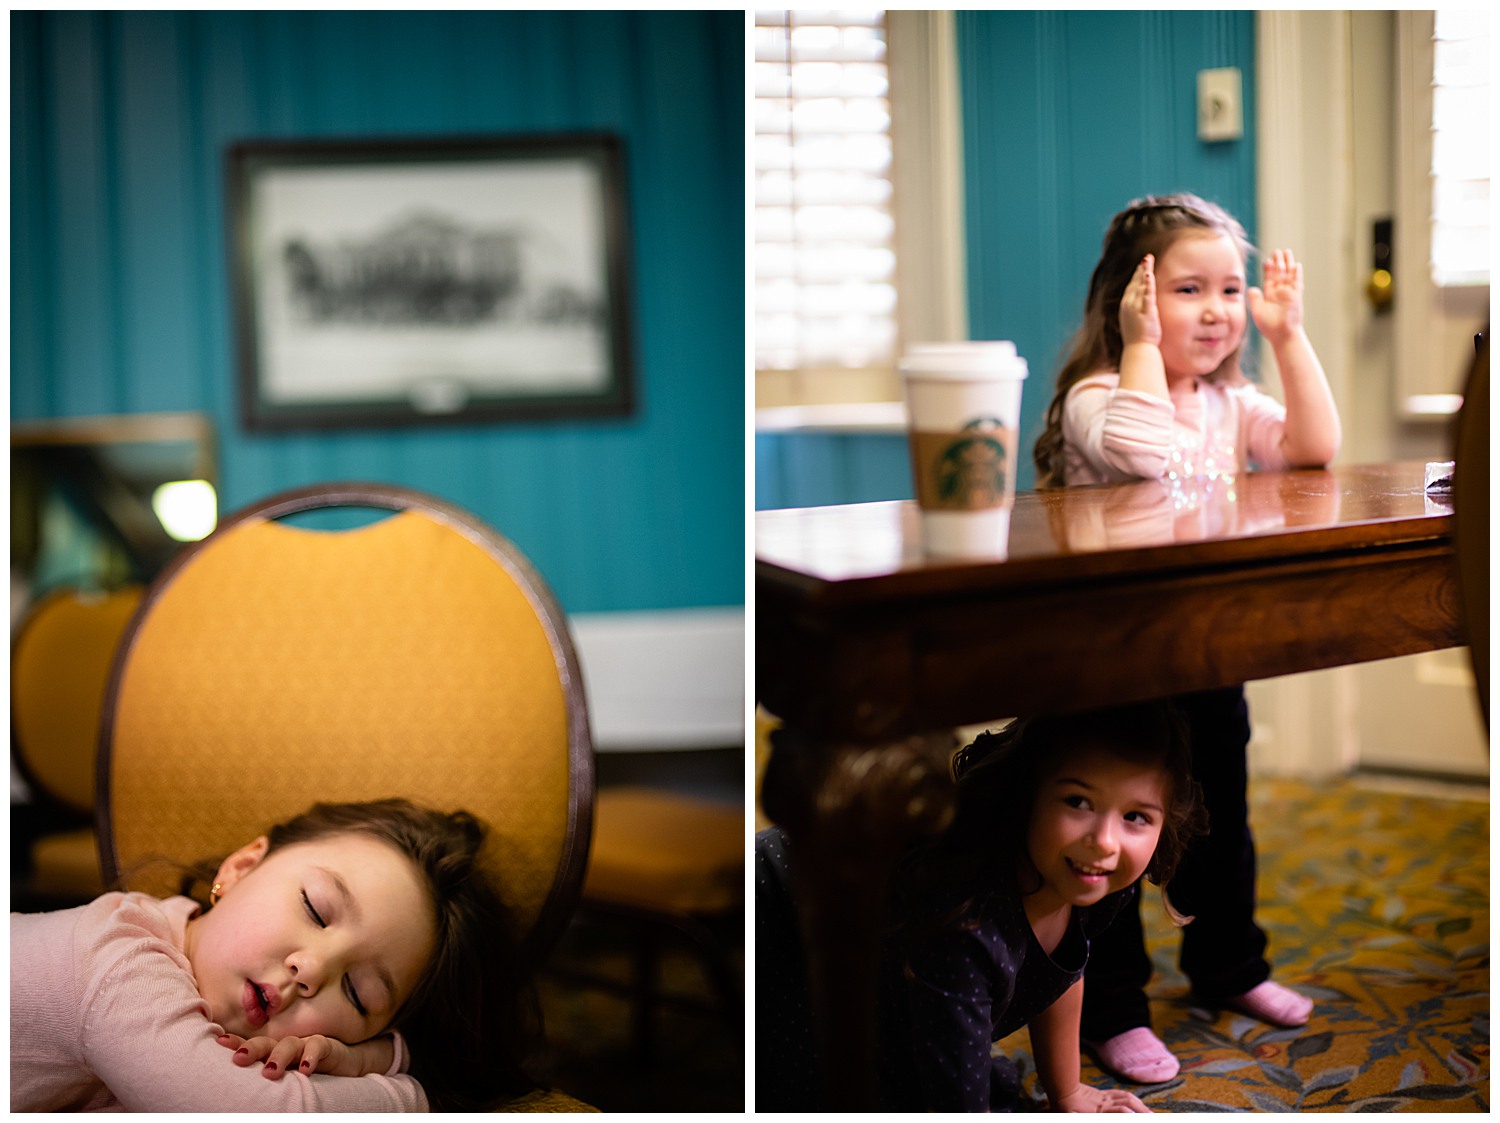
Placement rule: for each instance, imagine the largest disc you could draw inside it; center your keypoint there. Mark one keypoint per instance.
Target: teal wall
(1067, 116)
(119, 288)
(803, 469)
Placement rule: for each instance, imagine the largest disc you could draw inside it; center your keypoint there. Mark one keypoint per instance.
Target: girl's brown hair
(1147, 225)
(472, 1020)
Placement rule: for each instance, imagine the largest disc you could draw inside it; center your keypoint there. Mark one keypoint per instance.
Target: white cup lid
(964, 362)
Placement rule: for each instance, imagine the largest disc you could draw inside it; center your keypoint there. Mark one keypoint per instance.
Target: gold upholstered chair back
(274, 665)
(59, 668)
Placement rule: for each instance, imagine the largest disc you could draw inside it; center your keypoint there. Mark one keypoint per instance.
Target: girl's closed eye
(353, 996)
(312, 912)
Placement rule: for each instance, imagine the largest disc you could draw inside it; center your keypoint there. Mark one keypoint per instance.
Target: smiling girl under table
(1057, 819)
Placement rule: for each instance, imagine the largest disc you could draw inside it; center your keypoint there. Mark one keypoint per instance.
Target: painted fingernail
(270, 1066)
(242, 1052)
(306, 1066)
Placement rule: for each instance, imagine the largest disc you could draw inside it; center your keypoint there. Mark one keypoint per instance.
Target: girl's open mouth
(1091, 874)
(258, 1002)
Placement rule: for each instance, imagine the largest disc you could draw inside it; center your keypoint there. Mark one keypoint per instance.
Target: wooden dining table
(871, 650)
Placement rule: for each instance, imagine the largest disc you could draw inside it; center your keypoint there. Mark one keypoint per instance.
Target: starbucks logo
(972, 470)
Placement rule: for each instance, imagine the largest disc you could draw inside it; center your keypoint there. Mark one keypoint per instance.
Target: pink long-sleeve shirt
(1206, 430)
(105, 1016)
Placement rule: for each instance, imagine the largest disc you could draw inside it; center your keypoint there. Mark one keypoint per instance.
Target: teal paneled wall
(803, 469)
(119, 287)
(1067, 116)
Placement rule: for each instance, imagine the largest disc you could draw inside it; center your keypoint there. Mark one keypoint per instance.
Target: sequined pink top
(1205, 431)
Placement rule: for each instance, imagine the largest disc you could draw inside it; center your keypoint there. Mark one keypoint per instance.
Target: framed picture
(386, 282)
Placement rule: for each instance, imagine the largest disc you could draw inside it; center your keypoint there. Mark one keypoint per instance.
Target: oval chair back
(272, 666)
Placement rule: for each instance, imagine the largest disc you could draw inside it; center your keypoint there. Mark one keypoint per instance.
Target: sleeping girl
(355, 958)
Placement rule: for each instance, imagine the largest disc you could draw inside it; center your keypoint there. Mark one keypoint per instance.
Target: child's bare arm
(1141, 365)
(308, 1055)
(1312, 435)
(1054, 1044)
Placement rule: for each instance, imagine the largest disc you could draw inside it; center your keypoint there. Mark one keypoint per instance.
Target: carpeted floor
(1377, 907)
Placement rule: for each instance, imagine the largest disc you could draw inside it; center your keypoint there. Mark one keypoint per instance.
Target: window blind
(1460, 148)
(825, 266)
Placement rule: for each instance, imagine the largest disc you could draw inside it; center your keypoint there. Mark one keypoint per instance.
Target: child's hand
(1087, 1098)
(1139, 321)
(308, 1055)
(1277, 310)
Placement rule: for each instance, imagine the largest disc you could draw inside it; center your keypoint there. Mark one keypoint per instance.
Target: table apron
(878, 673)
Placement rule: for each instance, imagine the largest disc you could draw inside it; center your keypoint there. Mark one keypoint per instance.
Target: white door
(1330, 163)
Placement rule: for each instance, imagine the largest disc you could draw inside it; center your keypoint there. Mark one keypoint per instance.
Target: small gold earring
(215, 893)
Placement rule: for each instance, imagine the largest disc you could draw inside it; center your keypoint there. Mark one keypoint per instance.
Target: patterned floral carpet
(1377, 907)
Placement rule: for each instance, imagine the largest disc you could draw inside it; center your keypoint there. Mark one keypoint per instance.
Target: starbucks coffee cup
(963, 404)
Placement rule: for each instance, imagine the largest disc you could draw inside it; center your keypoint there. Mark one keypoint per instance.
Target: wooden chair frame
(1471, 514)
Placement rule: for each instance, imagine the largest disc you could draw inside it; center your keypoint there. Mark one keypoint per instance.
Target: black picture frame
(408, 281)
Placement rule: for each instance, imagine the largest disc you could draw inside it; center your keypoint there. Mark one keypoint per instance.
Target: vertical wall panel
(153, 268)
(30, 248)
(1067, 117)
(812, 469)
(80, 253)
(120, 293)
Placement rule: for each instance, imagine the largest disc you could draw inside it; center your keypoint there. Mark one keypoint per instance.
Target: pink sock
(1272, 1002)
(1138, 1055)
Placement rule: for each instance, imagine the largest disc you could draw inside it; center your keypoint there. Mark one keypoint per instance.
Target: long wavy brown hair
(1148, 225)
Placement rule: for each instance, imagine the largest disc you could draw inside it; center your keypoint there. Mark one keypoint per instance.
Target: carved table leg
(849, 811)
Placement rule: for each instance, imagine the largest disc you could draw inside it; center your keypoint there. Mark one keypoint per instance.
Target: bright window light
(825, 266)
(1461, 148)
(188, 509)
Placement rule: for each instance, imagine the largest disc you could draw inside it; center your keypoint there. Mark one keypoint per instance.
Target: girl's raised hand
(1139, 322)
(1087, 1098)
(308, 1055)
(1277, 309)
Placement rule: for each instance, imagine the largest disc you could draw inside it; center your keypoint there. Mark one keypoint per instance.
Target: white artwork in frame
(390, 282)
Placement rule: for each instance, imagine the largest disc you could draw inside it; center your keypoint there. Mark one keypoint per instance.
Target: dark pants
(1223, 950)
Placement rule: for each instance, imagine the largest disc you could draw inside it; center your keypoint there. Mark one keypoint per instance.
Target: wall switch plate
(1220, 104)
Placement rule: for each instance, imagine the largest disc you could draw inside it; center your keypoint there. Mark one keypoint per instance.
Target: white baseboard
(673, 679)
